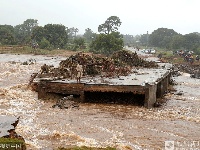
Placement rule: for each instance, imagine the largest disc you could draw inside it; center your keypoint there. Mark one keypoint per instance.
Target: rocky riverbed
(97, 125)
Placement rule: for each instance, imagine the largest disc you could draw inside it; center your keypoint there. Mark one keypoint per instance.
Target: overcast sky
(137, 16)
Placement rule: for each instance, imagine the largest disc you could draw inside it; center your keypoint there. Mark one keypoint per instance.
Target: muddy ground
(97, 125)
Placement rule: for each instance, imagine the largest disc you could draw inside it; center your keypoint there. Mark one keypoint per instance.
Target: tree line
(48, 37)
(52, 36)
(107, 41)
(167, 39)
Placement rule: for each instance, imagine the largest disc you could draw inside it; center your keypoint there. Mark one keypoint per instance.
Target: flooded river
(97, 125)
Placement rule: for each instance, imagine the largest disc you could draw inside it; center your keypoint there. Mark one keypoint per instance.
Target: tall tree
(110, 25)
(38, 34)
(56, 34)
(144, 39)
(192, 41)
(6, 35)
(72, 32)
(23, 31)
(29, 24)
(76, 31)
(89, 35)
(177, 42)
(161, 37)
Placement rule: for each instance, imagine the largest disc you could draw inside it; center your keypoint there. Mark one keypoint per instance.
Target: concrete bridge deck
(152, 83)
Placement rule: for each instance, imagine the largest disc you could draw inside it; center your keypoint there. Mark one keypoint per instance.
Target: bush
(107, 43)
(12, 144)
(44, 44)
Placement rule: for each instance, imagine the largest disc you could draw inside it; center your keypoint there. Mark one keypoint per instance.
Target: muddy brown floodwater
(97, 125)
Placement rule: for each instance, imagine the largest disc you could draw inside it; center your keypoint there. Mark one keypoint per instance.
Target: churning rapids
(96, 125)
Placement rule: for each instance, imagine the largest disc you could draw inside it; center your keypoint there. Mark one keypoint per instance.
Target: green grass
(12, 144)
(29, 50)
(10, 140)
(168, 56)
(14, 49)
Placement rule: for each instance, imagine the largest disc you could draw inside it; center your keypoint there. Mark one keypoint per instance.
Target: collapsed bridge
(149, 85)
(142, 86)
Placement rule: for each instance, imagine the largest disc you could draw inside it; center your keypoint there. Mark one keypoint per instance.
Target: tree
(89, 35)
(23, 31)
(29, 24)
(165, 43)
(44, 44)
(177, 42)
(79, 43)
(192, 41)
(56, 34)
(144, 39)
(161, 37)
(128, 39)
(110, 25)
(76, 31)
(51, 36)
(7, 35)
(107, 43)
(72, 32)
(38, 34)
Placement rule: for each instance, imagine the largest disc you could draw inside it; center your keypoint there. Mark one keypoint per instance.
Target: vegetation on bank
(28, 50)
(10, 140)
(12, 144)
(107, 41)
(58, 36)
(167, 39)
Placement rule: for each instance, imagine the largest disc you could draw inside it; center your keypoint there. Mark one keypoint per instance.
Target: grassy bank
(29, 50)
(12, 144)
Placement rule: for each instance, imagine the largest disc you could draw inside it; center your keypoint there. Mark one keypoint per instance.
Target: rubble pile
(120, 63)
(193, 70)
(132, 59)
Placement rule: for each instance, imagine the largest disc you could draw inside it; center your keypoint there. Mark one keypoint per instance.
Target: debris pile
(66, 102)
(120, 63)
(132, 59)
(29, 62)
(193, 70)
